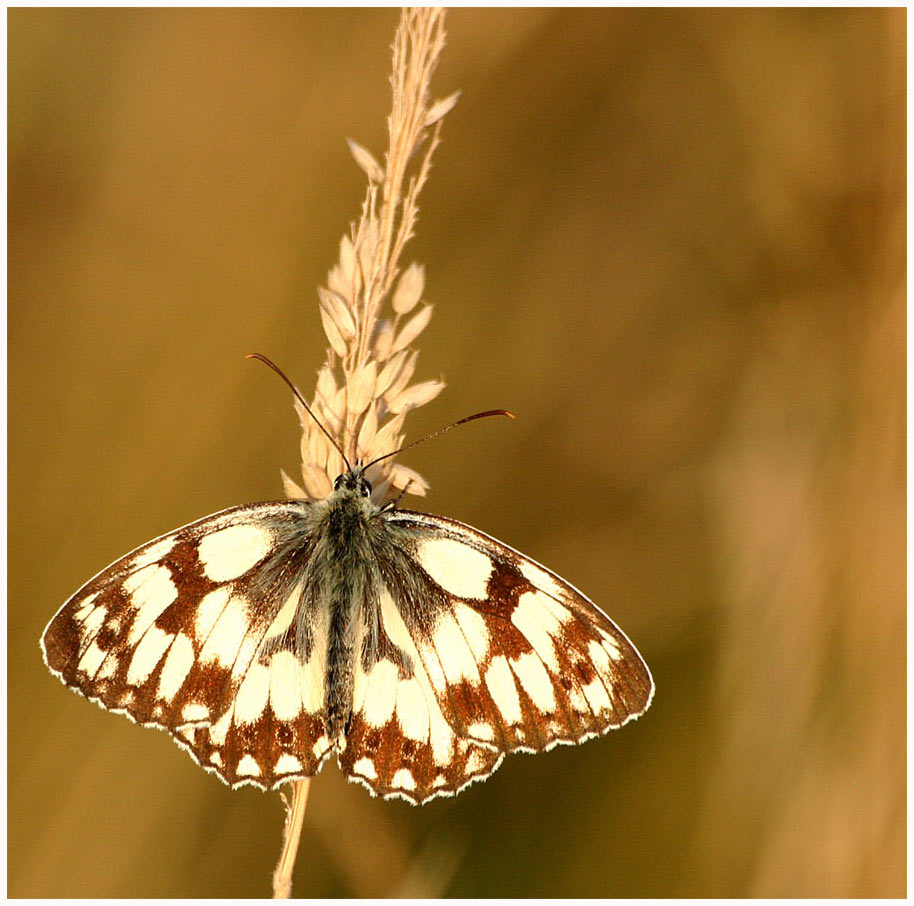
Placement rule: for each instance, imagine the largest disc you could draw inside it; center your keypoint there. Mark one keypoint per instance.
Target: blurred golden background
(672, 241)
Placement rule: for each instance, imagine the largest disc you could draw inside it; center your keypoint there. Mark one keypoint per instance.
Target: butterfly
(419, 651)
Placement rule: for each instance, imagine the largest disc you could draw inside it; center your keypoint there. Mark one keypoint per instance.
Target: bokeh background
(672, 241)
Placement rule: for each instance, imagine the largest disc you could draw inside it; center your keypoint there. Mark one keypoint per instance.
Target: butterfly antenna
(301, 399)
(462, 421)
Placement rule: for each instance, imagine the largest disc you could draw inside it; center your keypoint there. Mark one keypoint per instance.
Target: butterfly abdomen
(347, 537)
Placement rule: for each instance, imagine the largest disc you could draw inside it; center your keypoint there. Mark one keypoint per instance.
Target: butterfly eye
(338, 482)
(365, 488)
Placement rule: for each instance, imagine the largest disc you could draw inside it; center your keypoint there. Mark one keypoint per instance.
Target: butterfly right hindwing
(400, 741)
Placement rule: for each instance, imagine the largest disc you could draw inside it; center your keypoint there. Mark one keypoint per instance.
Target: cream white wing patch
(460, 570)
(230, 552)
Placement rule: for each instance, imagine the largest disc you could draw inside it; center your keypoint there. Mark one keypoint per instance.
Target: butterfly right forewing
(529, 662)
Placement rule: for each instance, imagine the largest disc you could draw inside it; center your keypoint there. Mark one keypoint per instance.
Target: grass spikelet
(371, 308)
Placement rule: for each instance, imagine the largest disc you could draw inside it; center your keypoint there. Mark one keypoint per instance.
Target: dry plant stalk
(295, 815)
(365, 388)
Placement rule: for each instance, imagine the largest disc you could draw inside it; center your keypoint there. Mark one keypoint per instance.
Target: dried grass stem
(295, 816)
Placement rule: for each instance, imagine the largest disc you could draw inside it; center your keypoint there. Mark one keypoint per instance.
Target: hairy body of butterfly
(269, 636)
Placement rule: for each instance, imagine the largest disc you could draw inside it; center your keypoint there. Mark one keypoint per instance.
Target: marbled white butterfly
(418, 650)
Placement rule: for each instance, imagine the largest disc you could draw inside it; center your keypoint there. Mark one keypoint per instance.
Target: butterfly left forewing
(195, 633)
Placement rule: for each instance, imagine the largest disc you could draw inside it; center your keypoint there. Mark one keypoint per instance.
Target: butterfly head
(353, 481)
